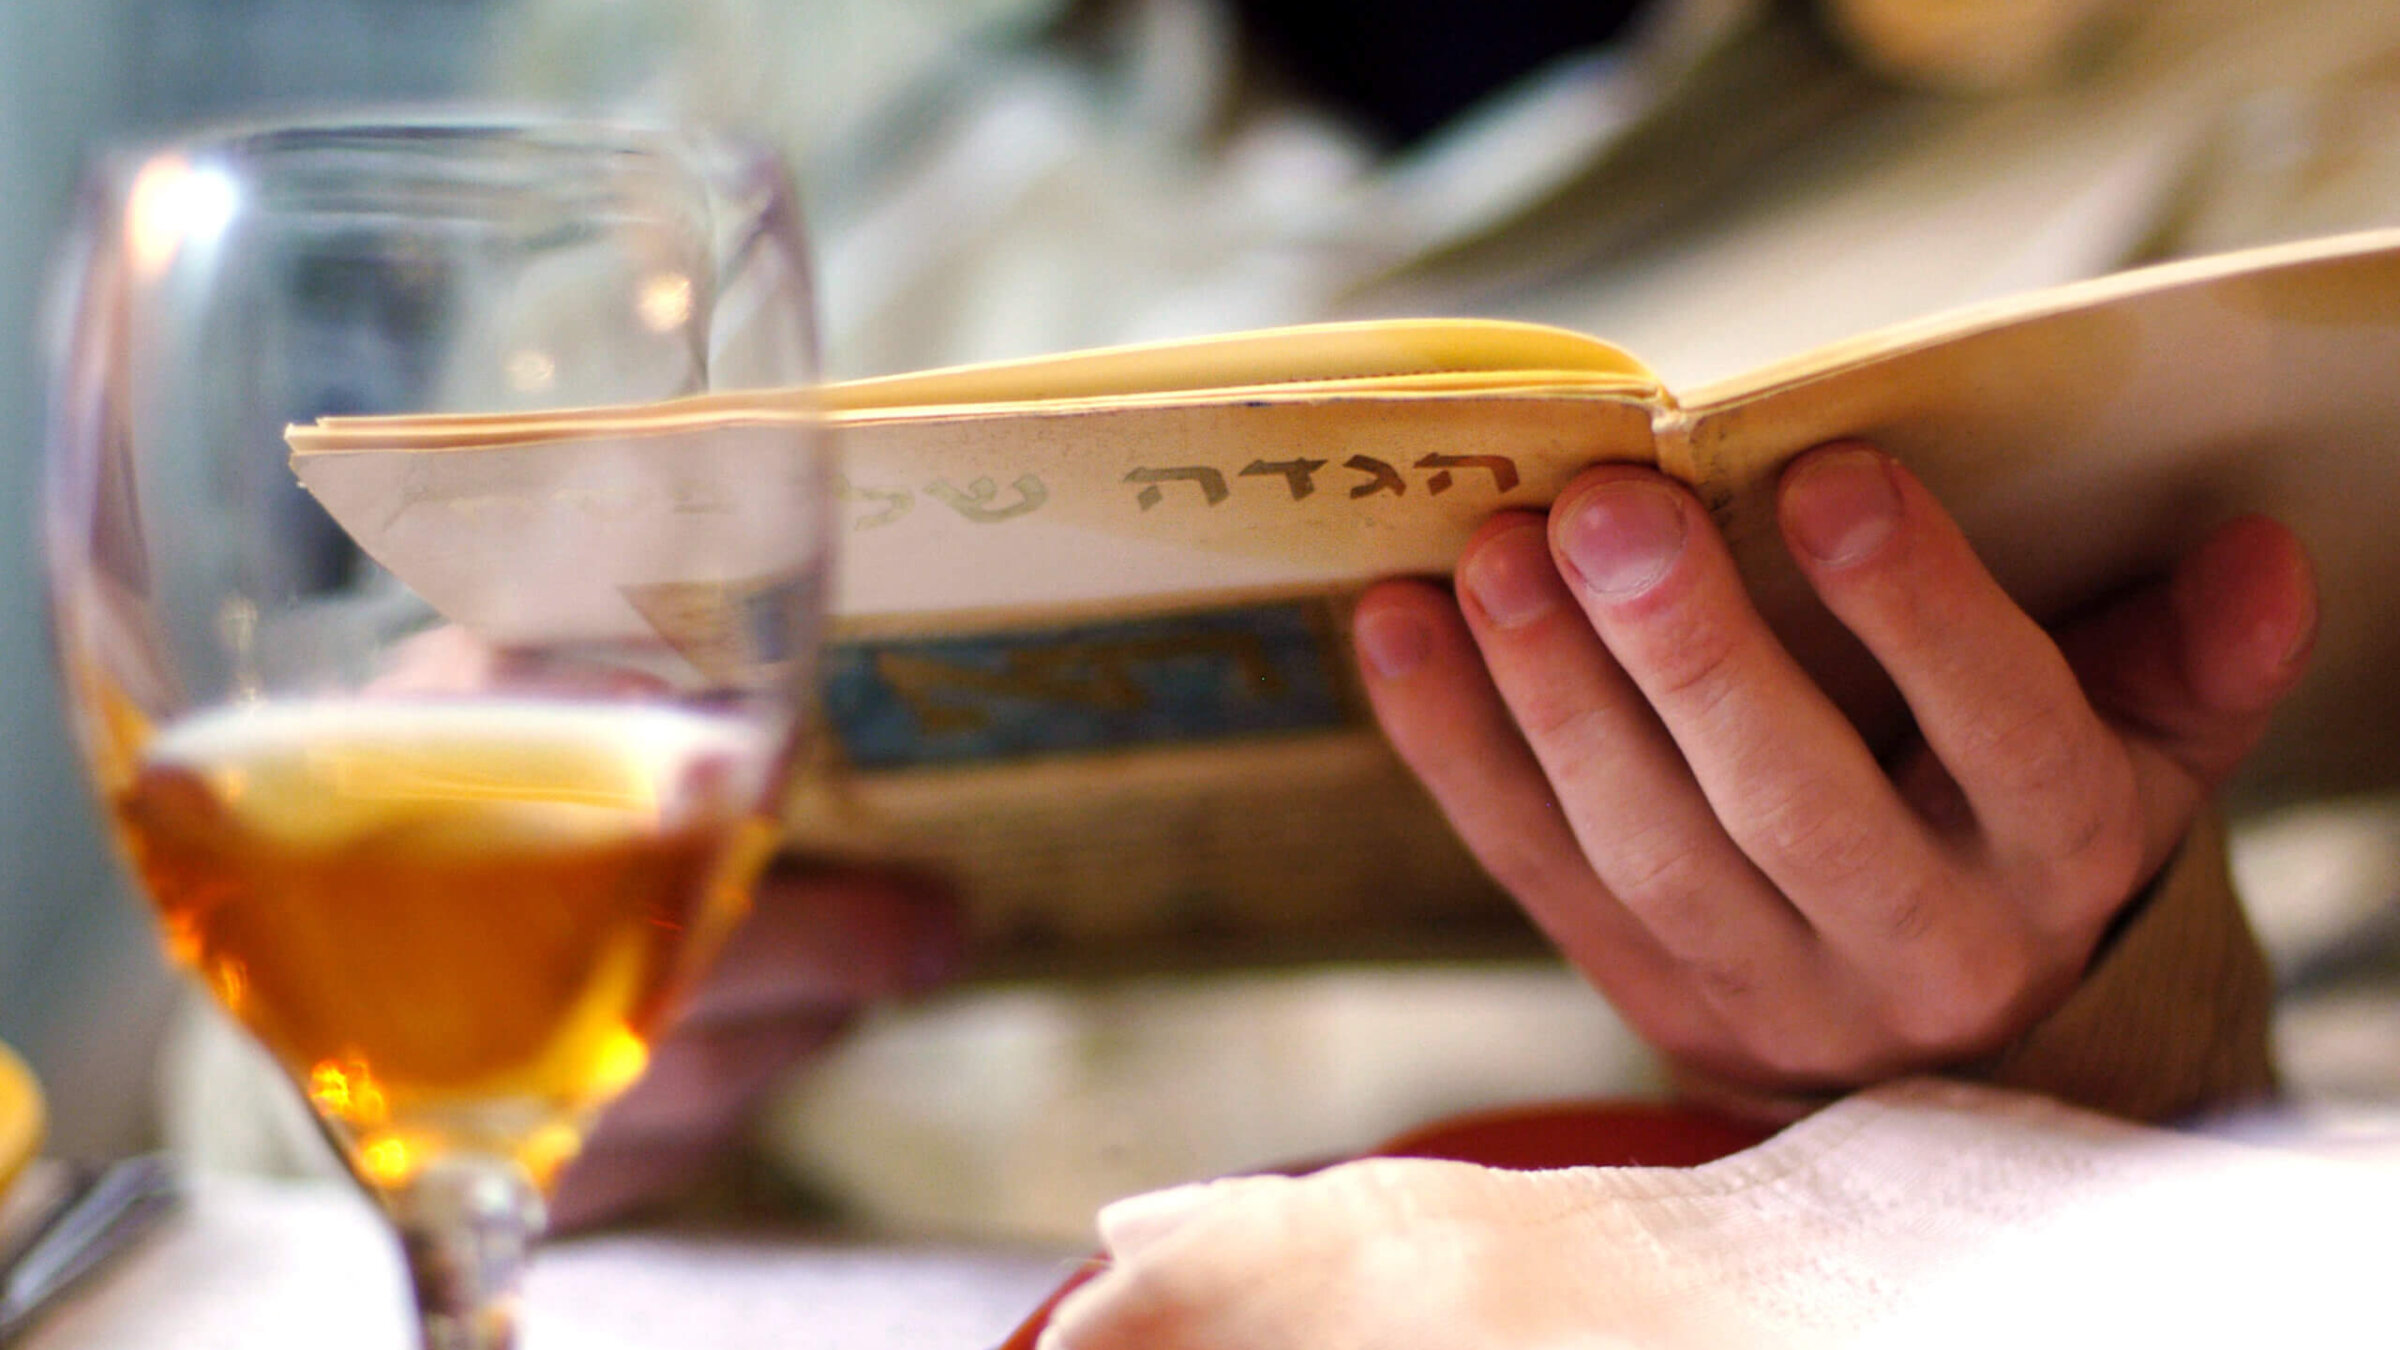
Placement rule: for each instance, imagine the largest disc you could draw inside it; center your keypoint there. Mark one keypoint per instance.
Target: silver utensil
(99, 1215)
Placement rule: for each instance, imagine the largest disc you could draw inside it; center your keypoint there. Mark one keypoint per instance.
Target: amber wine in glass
(452, 924)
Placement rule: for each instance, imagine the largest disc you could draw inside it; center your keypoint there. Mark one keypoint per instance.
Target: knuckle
(1552, 718)
(1530, 874)
(1808, 829)
(1662, 879)
(1907, 915)
(2058, 755)
(1909, 912)
(1654, 870)
(1726, 981)
(1684, 662)
(2088, 827)
(2035, 748)
(2074, 785)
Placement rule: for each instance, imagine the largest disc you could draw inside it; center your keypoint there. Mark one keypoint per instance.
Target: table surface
(261, 1265)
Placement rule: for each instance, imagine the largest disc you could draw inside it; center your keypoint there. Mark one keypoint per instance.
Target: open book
(1115, 577)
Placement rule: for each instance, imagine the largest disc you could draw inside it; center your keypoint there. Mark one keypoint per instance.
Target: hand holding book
(1630, 750)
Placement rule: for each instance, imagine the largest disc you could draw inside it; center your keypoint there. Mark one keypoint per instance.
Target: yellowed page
(1388, 352)
(1398, 356)
(2086, 437)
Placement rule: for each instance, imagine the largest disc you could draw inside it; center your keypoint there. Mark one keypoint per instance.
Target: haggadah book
(1090, 607)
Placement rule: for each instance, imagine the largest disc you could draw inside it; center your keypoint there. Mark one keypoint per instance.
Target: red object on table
(1532, 1138)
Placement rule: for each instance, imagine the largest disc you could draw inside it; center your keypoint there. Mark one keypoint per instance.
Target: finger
(820, 936)
(610, 1181)
(2196, 668)
(1438, 707)
(2246, 603)
(1632, 802)
(2043, 777)
(681, 1117)
(1784, 772)
(2192, 669)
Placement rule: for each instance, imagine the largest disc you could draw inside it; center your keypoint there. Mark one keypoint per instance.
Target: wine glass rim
(438, 125)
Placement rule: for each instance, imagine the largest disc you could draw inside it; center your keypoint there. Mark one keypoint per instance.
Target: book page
(1394, 355)
(1402, 357)
(585, 539)
(2086, 439)
(1003, 514)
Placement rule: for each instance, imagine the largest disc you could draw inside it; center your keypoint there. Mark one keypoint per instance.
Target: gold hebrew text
(895, 502)
(975, 503)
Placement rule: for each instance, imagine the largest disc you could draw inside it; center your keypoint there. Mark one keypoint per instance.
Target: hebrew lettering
(1502, 469)
(975, 503)
(1298, 474)
(1382, 477)
(896, 502)
(1210, 482)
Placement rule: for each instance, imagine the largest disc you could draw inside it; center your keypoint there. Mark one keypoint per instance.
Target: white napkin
(1921, 1213)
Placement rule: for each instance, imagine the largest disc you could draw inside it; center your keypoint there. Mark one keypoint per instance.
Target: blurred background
(1712, 183)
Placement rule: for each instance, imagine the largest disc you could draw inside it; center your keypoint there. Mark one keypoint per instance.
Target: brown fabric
(2172, 1018)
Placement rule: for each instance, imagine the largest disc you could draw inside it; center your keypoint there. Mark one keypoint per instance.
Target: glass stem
(467, 1226)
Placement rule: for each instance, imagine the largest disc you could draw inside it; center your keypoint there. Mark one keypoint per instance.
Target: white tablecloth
(259, 1265)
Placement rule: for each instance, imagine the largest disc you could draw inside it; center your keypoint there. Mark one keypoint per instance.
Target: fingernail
(1512, 578)
(1624, 536)
(1841, 505)
(1392, 641)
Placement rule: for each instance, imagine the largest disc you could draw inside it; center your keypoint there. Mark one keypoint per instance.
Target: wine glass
(450, 870)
